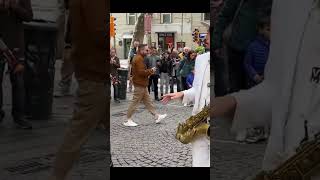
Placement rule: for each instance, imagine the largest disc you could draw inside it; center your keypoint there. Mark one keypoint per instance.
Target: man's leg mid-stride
(137, 97)
(90, 110)
(141, 94)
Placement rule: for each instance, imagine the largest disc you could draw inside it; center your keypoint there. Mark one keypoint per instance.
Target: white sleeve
(253, 107)
(189, 95)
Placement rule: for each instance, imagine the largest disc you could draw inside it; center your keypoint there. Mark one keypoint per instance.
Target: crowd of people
(174, 69)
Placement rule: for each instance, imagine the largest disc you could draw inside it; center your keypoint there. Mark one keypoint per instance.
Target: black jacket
(166, 66)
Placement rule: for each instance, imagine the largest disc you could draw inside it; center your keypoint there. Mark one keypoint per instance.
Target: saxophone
(194, 126)
(300, 166)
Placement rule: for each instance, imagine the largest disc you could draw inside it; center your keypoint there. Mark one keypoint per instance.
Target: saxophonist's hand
(171, 96)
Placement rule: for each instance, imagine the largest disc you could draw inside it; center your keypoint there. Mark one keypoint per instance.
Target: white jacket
(199, 94)
(290, 93)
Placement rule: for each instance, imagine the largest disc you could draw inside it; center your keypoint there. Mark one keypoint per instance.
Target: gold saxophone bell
(195, 126)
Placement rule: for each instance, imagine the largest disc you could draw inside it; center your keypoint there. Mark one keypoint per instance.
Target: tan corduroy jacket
(140, 72)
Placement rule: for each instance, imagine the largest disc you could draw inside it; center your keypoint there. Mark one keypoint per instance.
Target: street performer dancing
(200, 95)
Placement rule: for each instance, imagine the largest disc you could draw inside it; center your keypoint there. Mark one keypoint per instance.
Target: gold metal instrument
(300, 166)
(194, 126)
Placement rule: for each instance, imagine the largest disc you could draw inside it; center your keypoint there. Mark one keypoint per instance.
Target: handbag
(229, 30)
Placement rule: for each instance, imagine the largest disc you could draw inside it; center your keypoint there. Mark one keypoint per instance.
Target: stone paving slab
(149, 144)
(28, 154)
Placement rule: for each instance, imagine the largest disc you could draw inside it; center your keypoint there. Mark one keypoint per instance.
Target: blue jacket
(256, 57)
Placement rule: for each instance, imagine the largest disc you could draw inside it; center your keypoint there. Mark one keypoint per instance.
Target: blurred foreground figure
(12, 15)
(89, 52)
(289, 98)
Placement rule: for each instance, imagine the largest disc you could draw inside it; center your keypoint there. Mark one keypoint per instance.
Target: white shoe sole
(160, 119)
(130, 125)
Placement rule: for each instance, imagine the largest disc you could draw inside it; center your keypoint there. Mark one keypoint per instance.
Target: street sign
(202, 35)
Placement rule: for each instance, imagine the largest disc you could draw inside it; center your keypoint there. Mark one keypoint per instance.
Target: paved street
(232, 160)
(28, 154)
(149, 144)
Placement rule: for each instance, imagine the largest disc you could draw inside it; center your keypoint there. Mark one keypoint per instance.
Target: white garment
(288, 96)
(199, 94)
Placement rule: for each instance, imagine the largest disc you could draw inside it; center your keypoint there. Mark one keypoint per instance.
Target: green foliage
(200, 50)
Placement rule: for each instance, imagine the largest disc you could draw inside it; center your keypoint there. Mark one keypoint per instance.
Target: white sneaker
(130, 123)
(160, 117)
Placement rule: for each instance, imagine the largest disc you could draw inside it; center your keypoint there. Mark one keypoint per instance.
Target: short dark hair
(141, 46)
(263, 22)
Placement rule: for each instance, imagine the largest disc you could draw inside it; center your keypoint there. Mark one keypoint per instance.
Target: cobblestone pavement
(149, 144)
(28, 154)
(232, 160)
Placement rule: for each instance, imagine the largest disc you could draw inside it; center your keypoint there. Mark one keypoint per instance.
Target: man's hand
(154, 69)
(19, 68)
(258, 78)
(171, 96)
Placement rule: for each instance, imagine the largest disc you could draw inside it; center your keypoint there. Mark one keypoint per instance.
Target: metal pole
(181, 31)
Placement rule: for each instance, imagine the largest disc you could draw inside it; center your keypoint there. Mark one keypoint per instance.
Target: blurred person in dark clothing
(88, 31)
(165, 72)
(175, 65)
(12, 15)
(153, 61)
(257, 54)
(254, 64)
(235, 28)
(67, 69)
(115, 64)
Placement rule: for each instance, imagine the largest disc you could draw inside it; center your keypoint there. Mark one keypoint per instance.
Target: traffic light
(112, 26)
(195, 35)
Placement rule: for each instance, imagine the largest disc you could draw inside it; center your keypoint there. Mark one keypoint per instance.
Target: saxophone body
(300, 166)
(194, 126)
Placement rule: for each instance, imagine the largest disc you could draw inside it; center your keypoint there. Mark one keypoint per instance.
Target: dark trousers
(116, 91)
(221, 75)
(184, 83)
(175, 79)
(153, 80)
(237, 75)
(18, 93)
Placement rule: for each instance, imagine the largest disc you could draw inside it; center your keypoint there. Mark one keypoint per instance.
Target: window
(131, 18)
(206, 16)
(166, 18)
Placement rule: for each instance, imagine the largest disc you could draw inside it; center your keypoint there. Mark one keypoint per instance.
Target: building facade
(167, 29)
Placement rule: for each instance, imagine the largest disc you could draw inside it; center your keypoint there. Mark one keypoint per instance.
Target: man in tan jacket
(88, 31)
(140, 78)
